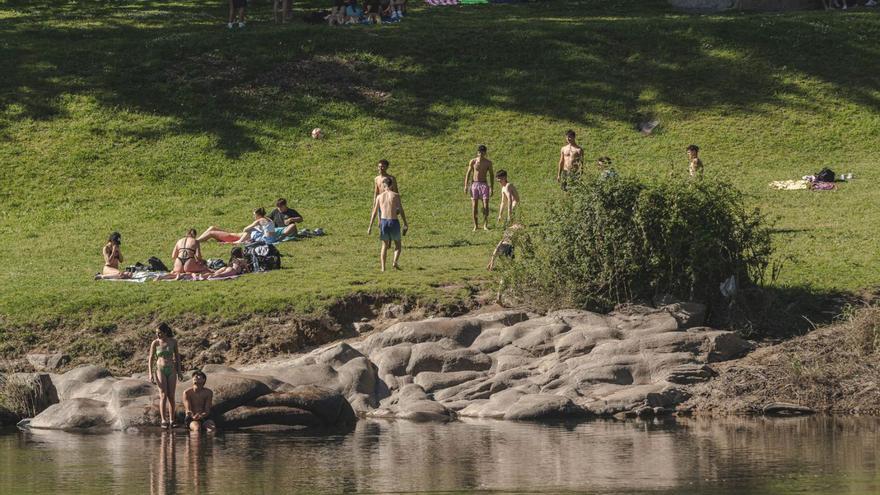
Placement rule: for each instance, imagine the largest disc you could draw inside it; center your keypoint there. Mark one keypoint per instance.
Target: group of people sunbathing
(372, 12)
(278, 225)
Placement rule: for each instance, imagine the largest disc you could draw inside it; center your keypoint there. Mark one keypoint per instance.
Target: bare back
(389, 205)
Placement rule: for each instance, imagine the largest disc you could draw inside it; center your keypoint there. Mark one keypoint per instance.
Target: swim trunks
(389, 230)
(479, 190)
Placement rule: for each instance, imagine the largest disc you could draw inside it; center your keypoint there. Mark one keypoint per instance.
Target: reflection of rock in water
(744, 456)
(508, 364)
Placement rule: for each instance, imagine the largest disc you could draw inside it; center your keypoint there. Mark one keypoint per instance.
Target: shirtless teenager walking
(480, 189)
(377, 181)
(570, 158)
(388, 206)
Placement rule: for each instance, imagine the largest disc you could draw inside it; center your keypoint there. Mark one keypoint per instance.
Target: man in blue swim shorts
(388, 206)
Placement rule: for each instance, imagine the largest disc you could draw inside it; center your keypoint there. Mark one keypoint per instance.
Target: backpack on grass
(825, 175)
(156, 265)
(262, 256)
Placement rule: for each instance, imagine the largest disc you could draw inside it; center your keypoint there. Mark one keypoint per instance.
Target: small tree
(617, 240)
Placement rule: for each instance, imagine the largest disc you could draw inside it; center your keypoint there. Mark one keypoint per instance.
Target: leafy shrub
(617, 240)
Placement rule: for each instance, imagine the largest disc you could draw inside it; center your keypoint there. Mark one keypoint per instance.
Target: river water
(819, 455)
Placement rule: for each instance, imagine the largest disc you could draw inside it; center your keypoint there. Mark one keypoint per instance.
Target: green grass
(150, 118)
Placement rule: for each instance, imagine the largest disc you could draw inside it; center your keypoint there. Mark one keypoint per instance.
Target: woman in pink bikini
(261, 229)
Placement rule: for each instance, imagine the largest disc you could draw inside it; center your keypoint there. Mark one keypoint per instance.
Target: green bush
(618, 240)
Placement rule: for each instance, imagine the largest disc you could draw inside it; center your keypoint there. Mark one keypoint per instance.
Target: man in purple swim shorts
(480, 169)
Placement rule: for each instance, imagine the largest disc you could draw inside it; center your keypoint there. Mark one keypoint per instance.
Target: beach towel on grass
(473, 2)
(790, 185)
(822, 186)
(441, 3)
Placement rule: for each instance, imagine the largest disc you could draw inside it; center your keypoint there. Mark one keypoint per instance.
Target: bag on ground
(263, 257)
(156, 265)
(825, 175)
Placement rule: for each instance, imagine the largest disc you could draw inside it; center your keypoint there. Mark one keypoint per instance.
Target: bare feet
(475, 228)
(396, 266)
(486, 227)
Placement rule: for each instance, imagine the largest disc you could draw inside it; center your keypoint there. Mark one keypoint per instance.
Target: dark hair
(482, 148)
(281, 202)
(260, 211)
(115, 238)
(199, 373)
(191, 233)
(570, 133)
(693, 147)
(384, 163)
(165, 329)
(387, 181)
(237, 252)
(501, 173)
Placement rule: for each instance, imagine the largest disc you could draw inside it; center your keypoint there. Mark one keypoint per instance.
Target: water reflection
(805, 455)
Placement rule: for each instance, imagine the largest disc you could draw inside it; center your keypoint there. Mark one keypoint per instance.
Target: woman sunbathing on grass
(164, 351)
(261, 229)
(112, 257)
(187, 255)
(237, 265)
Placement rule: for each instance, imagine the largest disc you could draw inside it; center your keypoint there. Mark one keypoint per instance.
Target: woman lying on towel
(112, 257)
(261, 229)
(187, 255)
(237, 265)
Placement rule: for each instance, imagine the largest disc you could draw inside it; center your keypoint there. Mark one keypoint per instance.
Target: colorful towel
(473, 2)
(440, 3)
(822, 186)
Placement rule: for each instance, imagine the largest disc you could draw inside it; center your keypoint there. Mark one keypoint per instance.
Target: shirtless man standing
(197, 402)
(387, 205)
(570, 157)
(377, 181)
(479, 168)
(509, 196)
(695, 165)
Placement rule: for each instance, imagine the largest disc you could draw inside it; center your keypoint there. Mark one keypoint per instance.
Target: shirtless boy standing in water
(197, 401)
(570, 157)
(480, 189)
(388, 206)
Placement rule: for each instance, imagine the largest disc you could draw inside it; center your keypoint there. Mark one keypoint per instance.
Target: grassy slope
(150, 117)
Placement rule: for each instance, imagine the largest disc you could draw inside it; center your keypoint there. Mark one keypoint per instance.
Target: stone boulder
(74, 414)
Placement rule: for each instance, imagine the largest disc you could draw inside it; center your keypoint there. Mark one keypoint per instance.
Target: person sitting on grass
(353, 12)
(261, 229)
(285, 219)
(236, 5)
(112, 258)
(509, 196)
(237, 265)
(603, 164)
(388, 206)
(695, 165)
(337, 13)
(187, 255)
(397, 9)
(373, 11)
(197, 404)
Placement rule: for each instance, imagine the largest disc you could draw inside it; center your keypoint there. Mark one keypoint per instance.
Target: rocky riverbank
(516, 365)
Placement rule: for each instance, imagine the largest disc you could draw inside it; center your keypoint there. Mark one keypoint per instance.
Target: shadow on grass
(584, 62)
(782, 312)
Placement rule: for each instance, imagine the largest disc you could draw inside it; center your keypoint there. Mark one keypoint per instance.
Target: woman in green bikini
(164, 351)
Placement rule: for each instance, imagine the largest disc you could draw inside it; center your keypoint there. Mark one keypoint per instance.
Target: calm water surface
(730, 456)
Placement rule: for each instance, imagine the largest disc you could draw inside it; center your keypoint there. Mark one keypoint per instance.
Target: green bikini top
(163, 354)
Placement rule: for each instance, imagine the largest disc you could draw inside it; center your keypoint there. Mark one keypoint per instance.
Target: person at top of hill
(695, 165)
(285, 219)
(261, 229)
(164, 351)
(112, 254)
(480, 189)
(388, 207)
(187, 255)
(570, 158)
(509, 196)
